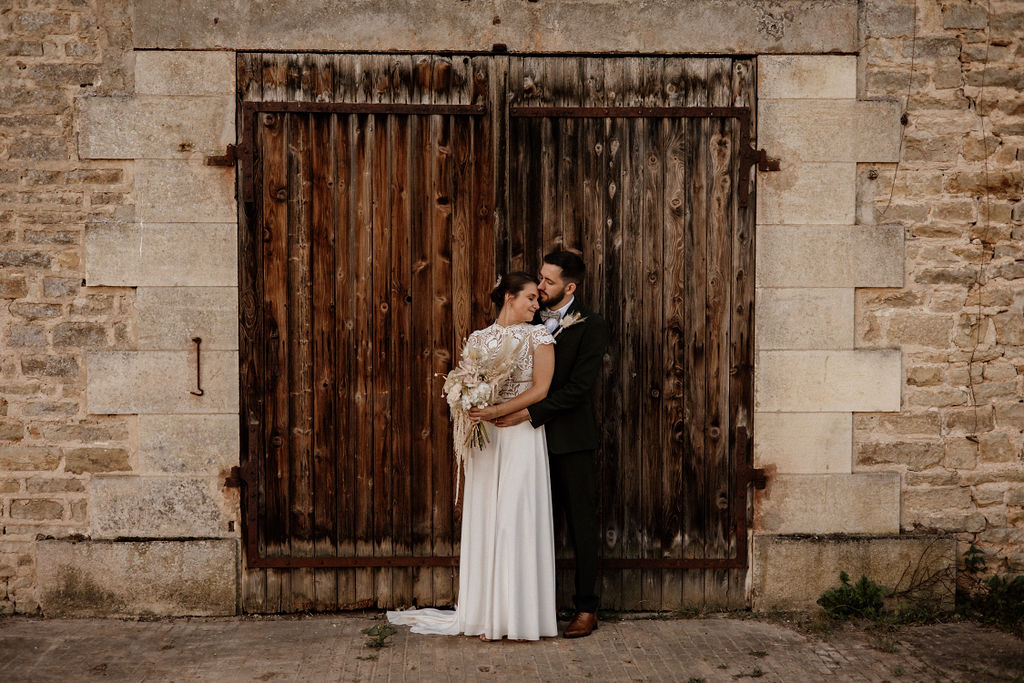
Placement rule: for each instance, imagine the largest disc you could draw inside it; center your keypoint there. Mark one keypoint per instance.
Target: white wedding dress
(507, 559)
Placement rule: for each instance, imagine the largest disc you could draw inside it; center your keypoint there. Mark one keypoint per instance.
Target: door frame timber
(744, 474)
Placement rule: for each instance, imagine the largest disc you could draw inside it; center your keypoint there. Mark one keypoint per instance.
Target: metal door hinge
(764, 162)
(237, 476)
(227, 159)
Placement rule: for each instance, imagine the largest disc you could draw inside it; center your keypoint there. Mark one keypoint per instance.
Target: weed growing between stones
(379, 635)
(996, 600)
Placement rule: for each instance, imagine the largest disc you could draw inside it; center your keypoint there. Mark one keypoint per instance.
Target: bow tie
(547, 314)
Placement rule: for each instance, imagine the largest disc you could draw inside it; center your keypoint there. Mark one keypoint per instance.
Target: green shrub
(862, 599)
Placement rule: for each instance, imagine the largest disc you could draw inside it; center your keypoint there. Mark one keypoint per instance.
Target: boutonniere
(568, 321)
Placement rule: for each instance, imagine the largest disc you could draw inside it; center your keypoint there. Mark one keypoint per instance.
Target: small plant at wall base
(997, 600)
(862, 599)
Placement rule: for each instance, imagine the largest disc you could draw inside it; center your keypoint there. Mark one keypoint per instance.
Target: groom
(580, 340)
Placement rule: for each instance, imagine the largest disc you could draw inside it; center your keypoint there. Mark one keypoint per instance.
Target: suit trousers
(574, 494)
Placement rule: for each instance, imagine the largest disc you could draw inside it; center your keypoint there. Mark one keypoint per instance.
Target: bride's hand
(483, 414)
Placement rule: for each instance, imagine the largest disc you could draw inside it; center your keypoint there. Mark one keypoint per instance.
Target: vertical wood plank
(383, 361)
(602, 168)
(500, 143)
(275, 73)
(420, 418)
(275, 475)
(515, 230)
(300, 360)
(441, 346)
(673, 343)
(489, 176)
(402, 352)
(347, 448)
(720, 537)
(652, 238)
(362, 143)
(693, 82)
(324, 351)
(249, 84)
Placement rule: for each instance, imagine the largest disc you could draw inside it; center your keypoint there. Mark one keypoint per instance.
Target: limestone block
(829, 130)
(806, 77)
(161, 254)
(147, 382)
(153, 127)
(867, 503)
(828, 381)
(798, 318)
(804, 443)
(691, 26)
(179, 191)
(168, 72)
(169, 317)
(190, 444)
(807, 193)
(792, 573)
(831, 256)
(134, 578)
(157, 507)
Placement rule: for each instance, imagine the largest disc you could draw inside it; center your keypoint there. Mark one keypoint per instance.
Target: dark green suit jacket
(567, 412)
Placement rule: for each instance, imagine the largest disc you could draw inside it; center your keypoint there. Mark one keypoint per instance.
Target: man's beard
(554, 300)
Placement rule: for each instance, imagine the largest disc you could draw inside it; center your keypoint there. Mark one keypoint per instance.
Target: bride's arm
(543, 370)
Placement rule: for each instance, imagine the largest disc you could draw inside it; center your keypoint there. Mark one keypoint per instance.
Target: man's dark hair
(573, 268)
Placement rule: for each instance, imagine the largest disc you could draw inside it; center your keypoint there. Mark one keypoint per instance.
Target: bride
(507, 560)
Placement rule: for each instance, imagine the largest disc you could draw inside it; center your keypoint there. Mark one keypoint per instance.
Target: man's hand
(513, 418)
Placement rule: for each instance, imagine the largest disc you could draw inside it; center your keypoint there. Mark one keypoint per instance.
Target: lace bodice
(492, 338)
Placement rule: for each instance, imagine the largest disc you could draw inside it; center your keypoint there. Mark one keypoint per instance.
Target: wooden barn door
(368, 255)
(380, 195)
(642, 164)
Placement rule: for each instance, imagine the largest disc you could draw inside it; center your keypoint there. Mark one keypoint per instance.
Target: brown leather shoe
(581, 625)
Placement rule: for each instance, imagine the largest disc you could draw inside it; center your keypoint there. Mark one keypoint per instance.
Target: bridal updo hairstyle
(510, 283)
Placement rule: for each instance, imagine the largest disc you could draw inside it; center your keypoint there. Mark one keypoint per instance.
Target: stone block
(866, 503)
(141, 382)
(828, 381)
(806, 77)
(786, 26)
(157, 507)
(830, 256)
(153, 127)
(137, 578)
(808, 193)
(791, 573)
(191, 444)
(179, 191)
(37, 509)
(169, 317)
(803, 443)
(184, 73)
(801, 318)
(162, 255)
(829, 130)
(96, 459)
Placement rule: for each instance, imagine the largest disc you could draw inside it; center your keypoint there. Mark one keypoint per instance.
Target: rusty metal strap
(630, 112)
(254, 561)
(366, 108)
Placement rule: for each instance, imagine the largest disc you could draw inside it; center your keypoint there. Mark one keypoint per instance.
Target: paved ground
(333, 647)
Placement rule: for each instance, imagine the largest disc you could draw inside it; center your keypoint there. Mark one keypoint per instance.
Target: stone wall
(889, 314)
(957, 442)
(50, 445)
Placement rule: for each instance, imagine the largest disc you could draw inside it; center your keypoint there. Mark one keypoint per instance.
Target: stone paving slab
(333, 648)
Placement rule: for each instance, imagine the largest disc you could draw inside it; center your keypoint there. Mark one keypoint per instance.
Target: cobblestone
(332, 647)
